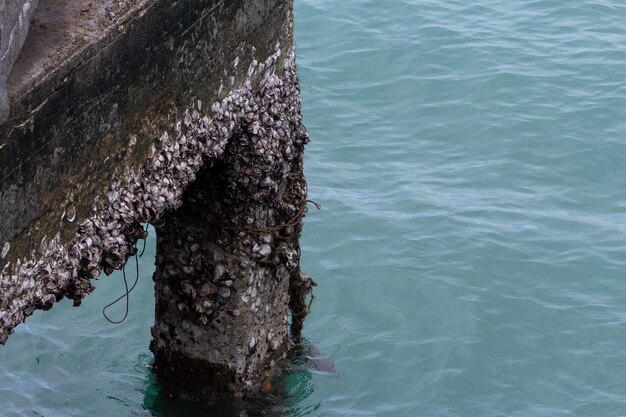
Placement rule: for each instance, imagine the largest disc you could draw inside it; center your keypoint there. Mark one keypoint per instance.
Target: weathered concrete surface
(14, 22)
(111, 123)
(225, 259)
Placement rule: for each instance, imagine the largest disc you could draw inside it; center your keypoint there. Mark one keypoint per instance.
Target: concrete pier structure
(14, 23)
(184, 114)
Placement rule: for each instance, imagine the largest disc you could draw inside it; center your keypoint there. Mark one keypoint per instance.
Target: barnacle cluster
(254, 137)
(226, 258)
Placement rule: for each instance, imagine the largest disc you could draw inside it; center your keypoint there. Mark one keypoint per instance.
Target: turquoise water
(471, 251)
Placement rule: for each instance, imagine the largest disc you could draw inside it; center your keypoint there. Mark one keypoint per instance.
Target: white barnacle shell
(70, 213)
(5, 250)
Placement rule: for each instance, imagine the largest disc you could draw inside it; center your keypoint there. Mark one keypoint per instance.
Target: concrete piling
(182, 114)
(226, 256)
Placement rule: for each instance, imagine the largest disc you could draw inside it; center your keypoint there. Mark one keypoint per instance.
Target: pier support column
(227, 256)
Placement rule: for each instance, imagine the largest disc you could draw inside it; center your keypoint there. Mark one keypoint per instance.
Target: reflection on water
(278, 397)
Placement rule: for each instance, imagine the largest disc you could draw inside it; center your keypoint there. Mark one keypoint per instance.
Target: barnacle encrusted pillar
(226, 257)
(183, 114)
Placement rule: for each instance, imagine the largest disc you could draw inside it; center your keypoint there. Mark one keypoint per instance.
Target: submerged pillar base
(227, 256)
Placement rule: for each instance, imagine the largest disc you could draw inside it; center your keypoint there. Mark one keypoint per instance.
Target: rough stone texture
(14, 23)
(90, 102)
(222, 182)
(226, 257)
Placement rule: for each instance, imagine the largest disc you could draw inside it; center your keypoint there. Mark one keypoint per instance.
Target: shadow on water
(280, 397)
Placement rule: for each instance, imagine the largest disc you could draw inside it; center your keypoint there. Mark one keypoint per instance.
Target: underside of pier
(181, 114)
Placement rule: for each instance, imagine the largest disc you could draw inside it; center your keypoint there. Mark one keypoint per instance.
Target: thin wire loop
(125, 295)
